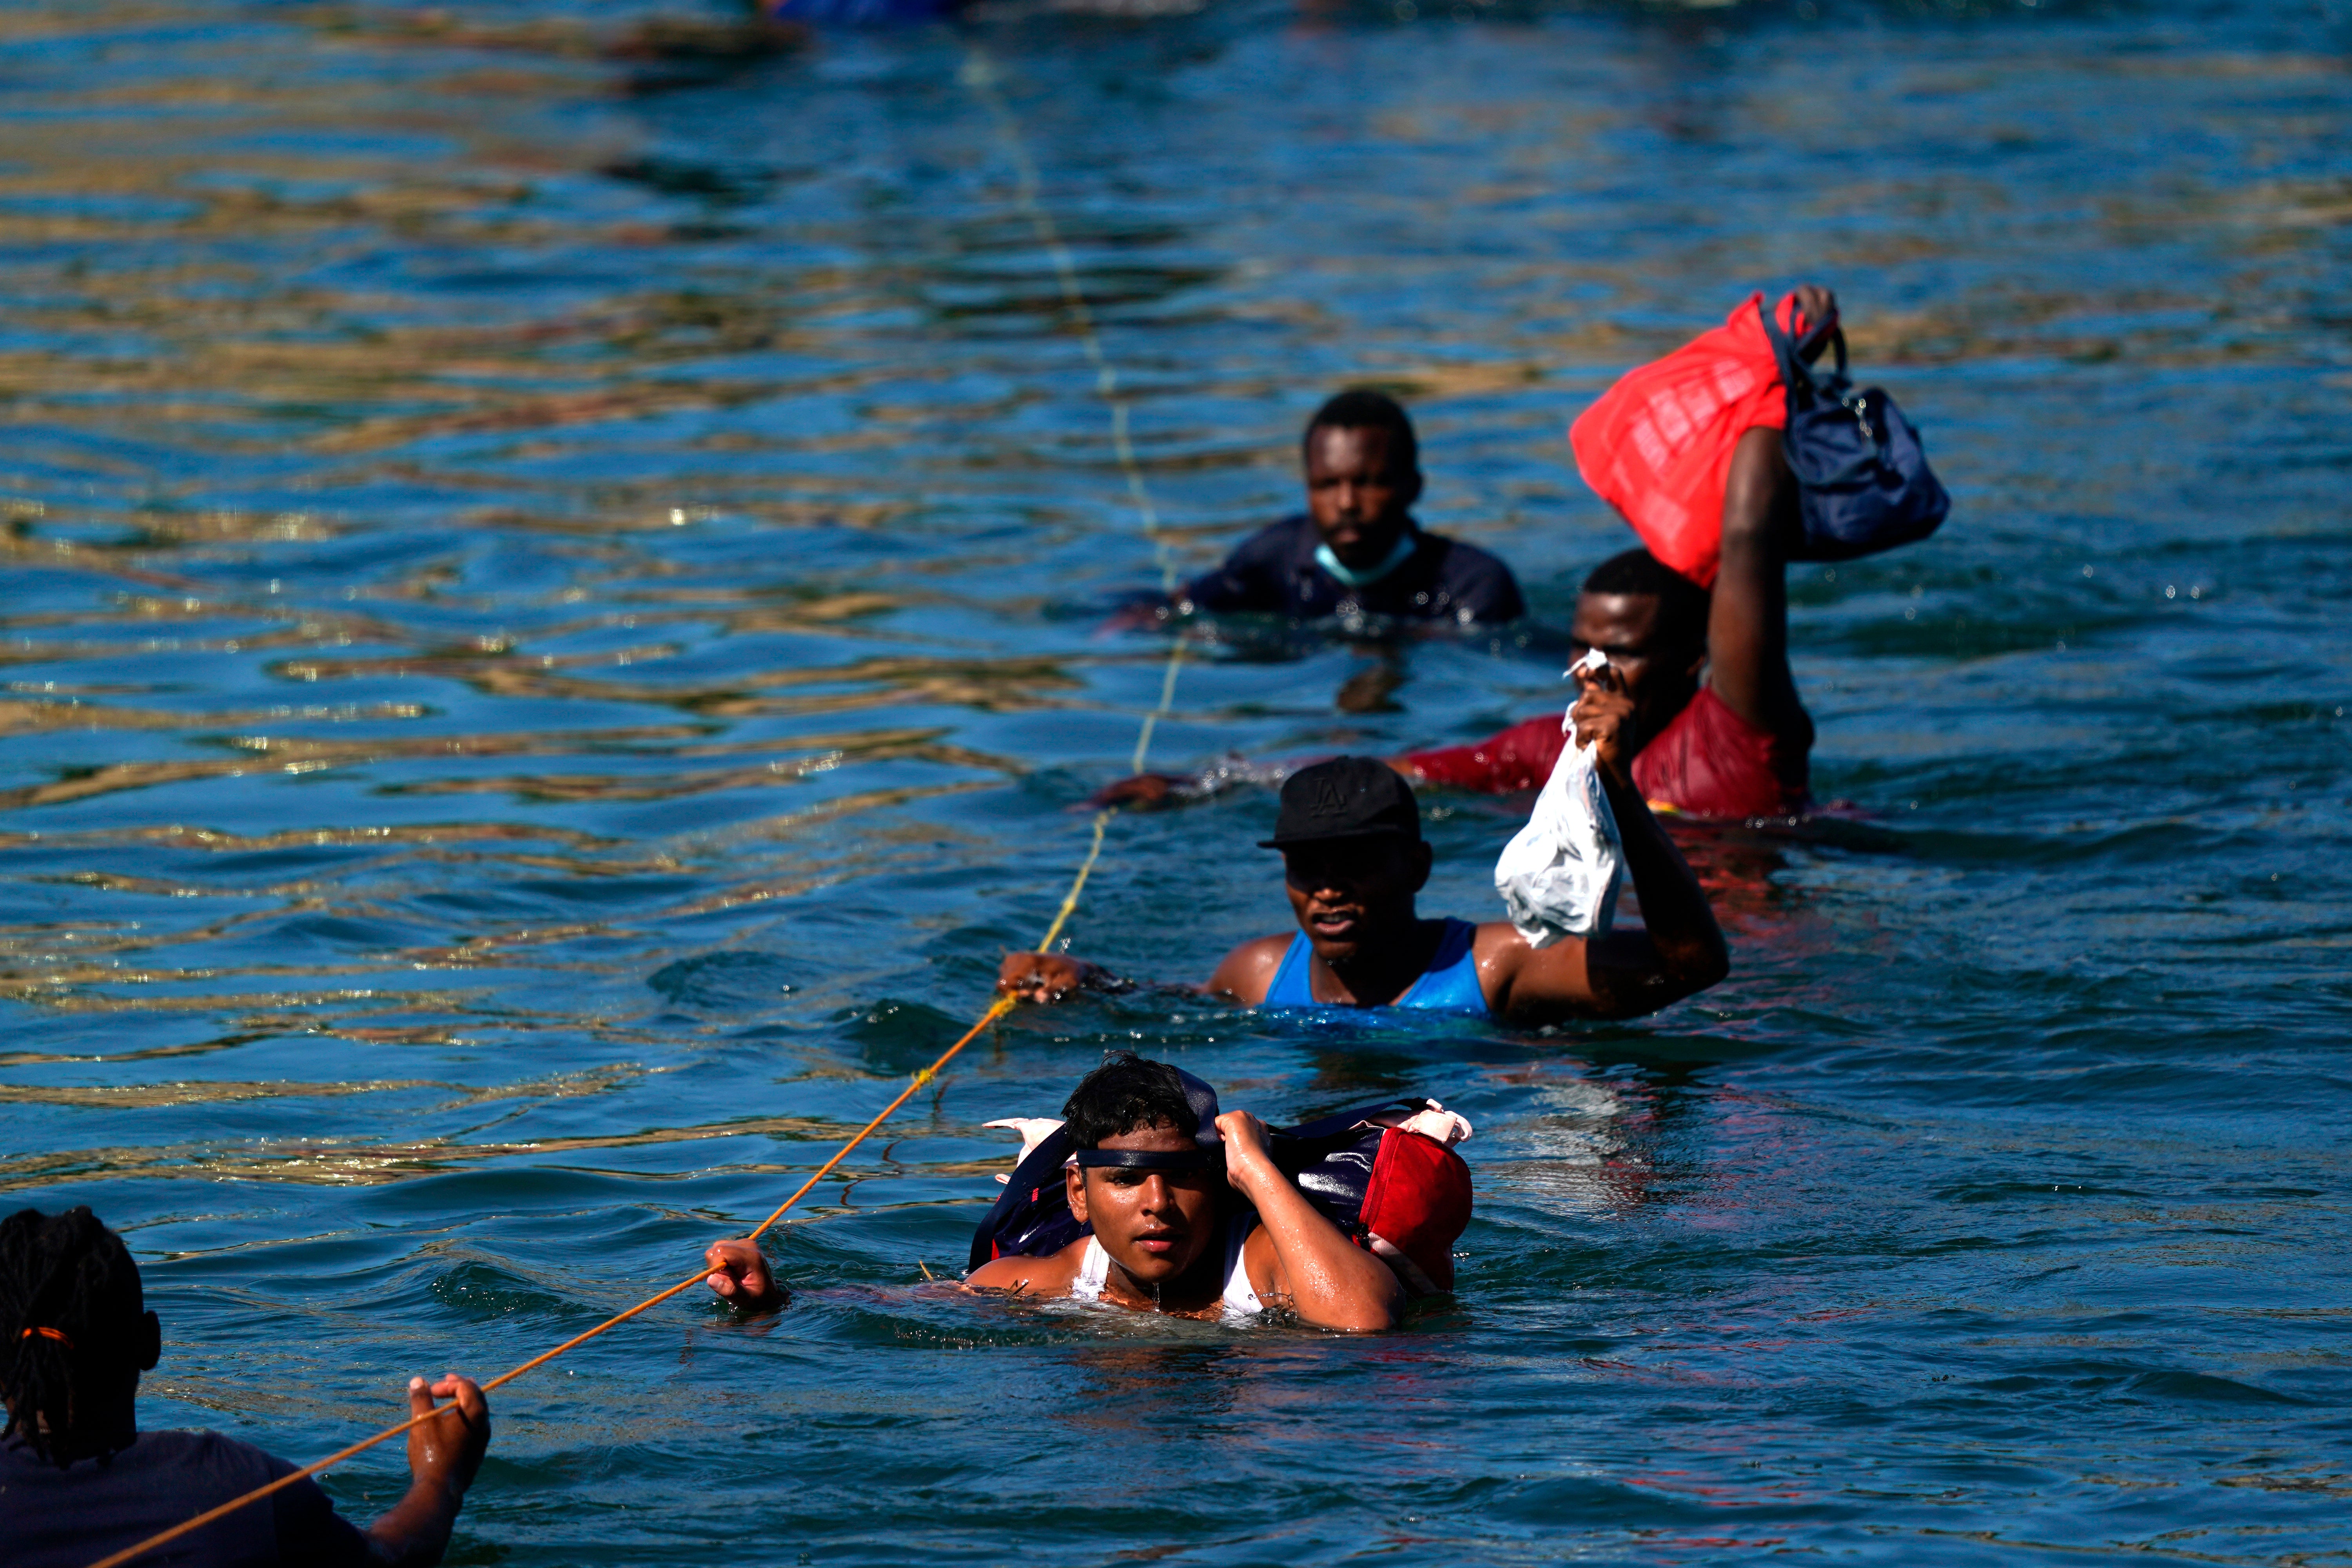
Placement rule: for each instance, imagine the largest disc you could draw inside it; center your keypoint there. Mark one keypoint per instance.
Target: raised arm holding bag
(1658, 445)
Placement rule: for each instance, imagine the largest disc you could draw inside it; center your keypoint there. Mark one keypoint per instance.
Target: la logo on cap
(1329, 802)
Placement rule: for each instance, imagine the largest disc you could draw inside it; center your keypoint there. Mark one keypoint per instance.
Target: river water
(554, 632)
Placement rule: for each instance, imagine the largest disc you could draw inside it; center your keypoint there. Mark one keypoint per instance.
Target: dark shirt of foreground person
(78, 1479)
(1357, 551)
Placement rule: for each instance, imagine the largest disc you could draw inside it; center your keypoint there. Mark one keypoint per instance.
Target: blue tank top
(1450, 983)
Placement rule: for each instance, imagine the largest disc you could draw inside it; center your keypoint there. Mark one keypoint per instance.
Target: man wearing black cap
(1353, 859)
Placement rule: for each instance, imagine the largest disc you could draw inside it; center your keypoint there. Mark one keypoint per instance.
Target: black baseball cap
(1346, 797)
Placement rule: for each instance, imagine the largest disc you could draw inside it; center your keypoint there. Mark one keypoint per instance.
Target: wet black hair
(1682, 604)
(1361, 408)
(74, 1329)
(1126, 1092)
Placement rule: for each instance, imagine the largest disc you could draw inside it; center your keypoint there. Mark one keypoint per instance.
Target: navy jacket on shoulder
(1275, 572)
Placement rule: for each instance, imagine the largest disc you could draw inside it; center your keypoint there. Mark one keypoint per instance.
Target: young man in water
(78, 1479)
(1189, 1220)
(1353, 859)
(1357, 550)
(1718, 728)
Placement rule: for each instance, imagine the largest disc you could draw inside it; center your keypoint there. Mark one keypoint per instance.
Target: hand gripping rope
(979, 75)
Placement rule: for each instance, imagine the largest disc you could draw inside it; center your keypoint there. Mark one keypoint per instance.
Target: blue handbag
(1863, 481)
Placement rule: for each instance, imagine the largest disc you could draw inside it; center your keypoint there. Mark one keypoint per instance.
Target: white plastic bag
(1559, 876)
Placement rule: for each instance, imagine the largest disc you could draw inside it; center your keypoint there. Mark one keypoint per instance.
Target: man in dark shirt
(1356, 551)
(1717, 728)
(80, 1481)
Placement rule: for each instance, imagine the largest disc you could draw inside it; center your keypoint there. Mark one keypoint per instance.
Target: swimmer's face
(1660, 678)
(1351, 891)
(1357, 494)
(1154, 1223)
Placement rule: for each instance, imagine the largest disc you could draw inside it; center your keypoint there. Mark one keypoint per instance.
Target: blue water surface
(557, 559)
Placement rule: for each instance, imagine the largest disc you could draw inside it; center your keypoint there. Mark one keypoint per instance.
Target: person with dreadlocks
(80, 1480)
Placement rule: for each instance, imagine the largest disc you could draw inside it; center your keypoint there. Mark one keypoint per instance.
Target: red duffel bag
(1657, 446)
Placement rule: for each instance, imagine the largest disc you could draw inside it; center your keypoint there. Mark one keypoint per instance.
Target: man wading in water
(1718, 728)
(1353, 859)
(1355, 550)
(1187, 1220)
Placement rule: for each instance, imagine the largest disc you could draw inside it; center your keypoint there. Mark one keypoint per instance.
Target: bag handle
(1833, 388)
(1794, 372)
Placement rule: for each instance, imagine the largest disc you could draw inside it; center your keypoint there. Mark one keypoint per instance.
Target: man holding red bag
(1719, 730)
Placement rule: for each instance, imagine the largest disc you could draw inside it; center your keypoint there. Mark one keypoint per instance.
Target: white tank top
(1240, 1295)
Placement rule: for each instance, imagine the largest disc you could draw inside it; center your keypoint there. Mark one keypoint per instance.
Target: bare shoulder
(1248, 971)
(1493, 938)
(1030, 1275)
(1515, 975)
(1500, 949)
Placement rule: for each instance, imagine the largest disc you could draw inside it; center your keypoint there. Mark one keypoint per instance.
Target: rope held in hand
(996, 1010)
(982, 77)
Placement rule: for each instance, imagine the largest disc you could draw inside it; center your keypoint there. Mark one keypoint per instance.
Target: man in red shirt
(1719, 730)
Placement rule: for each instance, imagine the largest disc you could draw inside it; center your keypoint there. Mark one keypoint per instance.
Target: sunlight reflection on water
(557, 566)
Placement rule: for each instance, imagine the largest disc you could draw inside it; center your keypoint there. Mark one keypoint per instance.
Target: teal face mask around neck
(1406, 543)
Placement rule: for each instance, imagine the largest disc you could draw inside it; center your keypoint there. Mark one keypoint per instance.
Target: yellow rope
(997, 1009)
(980, 76)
